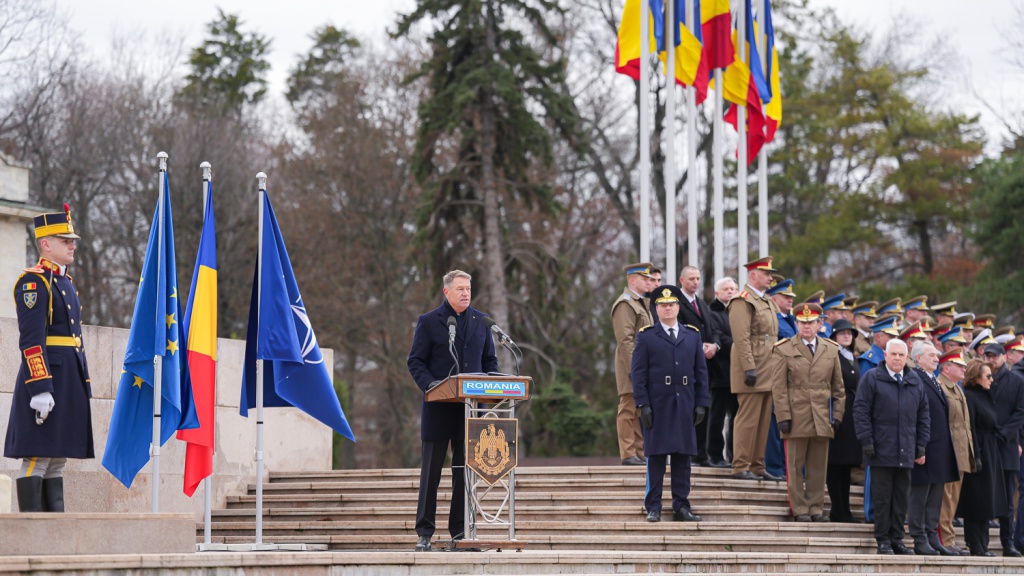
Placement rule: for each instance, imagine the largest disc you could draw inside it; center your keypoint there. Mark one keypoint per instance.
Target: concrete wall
(292, 440)
(14, 220)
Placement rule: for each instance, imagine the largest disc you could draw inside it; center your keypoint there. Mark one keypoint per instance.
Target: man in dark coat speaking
(454, 325)
(670, 387)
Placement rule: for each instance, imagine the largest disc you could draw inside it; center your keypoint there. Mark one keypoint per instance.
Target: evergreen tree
(486, 125)
(229, 69)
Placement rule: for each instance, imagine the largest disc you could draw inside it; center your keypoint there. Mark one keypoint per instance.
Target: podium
(491, 450)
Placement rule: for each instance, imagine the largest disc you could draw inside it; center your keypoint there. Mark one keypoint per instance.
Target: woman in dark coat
(844, 451)
(982, 494)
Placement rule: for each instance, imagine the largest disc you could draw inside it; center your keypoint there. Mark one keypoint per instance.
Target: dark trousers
(1007, 518)
(1018, 528)
(837, 478)
(702, 443)
(890, 487)
(656, 481)
(976, 534)
(775, 450)
(434, 452)
(723, 403)
(923, 514)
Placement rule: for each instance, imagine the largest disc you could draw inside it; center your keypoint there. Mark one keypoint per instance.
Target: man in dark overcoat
(928, 480)
(723, 401)
(51, 419)
(670, 386)
(1008, 393)
(892, 421)
(695, 312)
(444, 423)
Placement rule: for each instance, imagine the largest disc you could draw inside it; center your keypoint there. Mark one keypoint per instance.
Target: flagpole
(645, 141)
(741, 160)
(208, 481)
(671, 29)
(157, 358)
(718, 204)
(691, 151)
(762, 160)
(261, 180)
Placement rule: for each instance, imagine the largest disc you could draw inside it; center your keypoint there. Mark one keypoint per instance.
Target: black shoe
(942, 550)
(925, 550)
(885, 548)
(423, 545)
(819, 518)
(746, 475)
(958, 522)
(802, 518)
(720, 464)
(654, 516)
(684, 515)
(1011, 551)
(993, 524)
(633, 461)
(900, 549)
(959, 551)
(771, 477)
(701, 463)
(982, 553)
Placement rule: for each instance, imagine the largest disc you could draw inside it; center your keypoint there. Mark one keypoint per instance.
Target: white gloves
(42, 403)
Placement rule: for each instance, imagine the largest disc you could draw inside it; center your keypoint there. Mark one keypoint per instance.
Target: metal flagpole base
(298, 547)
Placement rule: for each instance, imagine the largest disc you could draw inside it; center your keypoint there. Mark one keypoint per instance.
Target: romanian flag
(744, 85)
(201, 333)
(627, 46)
(773, 108)
(716, 28)
(691, 69)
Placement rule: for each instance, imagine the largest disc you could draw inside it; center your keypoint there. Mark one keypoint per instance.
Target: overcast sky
(975, 32)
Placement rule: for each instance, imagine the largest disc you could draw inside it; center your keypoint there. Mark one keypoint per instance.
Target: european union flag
(280, 334)
(155, 331)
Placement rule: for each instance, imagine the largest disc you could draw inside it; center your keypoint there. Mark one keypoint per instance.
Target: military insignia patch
(28, 286)
(491, 450)
(36, 366)
(30, 299)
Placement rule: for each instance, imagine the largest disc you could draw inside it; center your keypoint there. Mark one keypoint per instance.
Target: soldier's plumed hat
(641, 268)
(889, 325)
(56, 224)
(916, 303)
(834, 302)
(807, 312)
(761, 264)
(784, 287)
(956, 357)
(868, 309)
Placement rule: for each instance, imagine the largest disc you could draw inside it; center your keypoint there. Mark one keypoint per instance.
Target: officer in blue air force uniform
(670, 387)
(782, 293)
(51, 419)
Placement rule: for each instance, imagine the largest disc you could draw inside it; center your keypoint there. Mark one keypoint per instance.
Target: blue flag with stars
(155, 331)
(281, 334)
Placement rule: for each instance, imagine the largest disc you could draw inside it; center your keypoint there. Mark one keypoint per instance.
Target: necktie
(899, 379)
(672, 333)
(810, 346)
(696, 307)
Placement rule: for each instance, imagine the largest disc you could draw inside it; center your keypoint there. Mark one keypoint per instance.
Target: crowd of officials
(921, 403)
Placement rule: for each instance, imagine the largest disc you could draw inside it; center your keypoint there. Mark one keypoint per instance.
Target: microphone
(451, 329)
(490, 323)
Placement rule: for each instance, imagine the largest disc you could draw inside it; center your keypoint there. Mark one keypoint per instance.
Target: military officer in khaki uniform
(753, 318)
(807, 387)
(630, 313)
(952, 368)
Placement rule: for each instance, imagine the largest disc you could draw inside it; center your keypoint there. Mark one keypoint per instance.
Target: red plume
(67, 208)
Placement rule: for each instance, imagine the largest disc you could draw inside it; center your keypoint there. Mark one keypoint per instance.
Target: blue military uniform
(775, 448)
(837, 302)
(669, 375)
(51, 417)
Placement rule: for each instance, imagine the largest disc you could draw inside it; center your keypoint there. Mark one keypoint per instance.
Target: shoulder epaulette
(743, 294)
(37, 269)
(782, 341)
(829, 340)
(692, 327)
(645, 327)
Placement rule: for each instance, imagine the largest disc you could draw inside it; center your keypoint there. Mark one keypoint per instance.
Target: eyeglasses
(988, 377)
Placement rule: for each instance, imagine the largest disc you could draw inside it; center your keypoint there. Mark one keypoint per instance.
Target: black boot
(53, 494)
(30, 494)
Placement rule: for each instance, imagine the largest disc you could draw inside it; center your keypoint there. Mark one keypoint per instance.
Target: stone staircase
(557, 509)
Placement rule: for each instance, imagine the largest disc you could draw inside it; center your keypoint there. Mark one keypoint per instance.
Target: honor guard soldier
(51, 419)
(914, 309)
(782, 294)
(833, 310)
(807, 387)
(864, 316)
(944, 312)
(670, 384)
(629, 315)
(754, 320)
